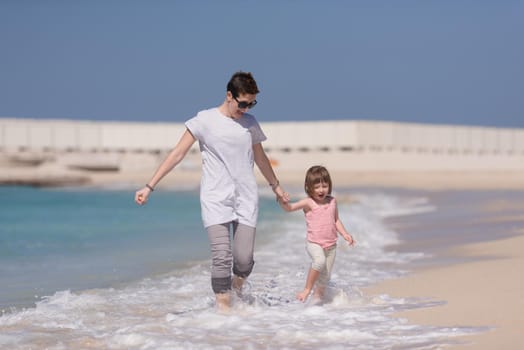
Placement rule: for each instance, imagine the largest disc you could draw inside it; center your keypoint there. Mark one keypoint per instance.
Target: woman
(230, 142)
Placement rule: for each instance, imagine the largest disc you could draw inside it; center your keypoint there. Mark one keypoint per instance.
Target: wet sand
(476, 268)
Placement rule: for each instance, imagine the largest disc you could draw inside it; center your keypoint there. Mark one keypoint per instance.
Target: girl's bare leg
(312, 277)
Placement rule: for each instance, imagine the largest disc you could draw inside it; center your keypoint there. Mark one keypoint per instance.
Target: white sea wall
(345, 145)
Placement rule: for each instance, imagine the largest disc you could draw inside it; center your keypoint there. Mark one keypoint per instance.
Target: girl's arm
(266, 169)
(342, 230)
(174, 157)
(301, 204)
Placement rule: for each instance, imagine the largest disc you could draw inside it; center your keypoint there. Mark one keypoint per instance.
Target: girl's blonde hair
(314, 175)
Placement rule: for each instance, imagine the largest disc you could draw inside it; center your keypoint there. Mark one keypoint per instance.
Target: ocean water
(88, 269)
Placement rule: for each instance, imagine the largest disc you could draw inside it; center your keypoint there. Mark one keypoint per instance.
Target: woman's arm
(266, 169)
(174, 157)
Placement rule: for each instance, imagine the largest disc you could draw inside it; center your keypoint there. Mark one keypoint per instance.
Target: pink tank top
(320, 220)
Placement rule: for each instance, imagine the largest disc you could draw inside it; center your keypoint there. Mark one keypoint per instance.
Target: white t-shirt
(228, 189)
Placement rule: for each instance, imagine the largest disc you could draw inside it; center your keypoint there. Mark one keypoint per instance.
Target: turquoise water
(56, 239)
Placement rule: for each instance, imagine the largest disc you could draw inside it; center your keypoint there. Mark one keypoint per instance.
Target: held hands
(283, 201)
(282, 196)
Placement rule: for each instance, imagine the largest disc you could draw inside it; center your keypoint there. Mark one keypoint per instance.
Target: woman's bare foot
(237, 283)
(302, 296)
(223, 302)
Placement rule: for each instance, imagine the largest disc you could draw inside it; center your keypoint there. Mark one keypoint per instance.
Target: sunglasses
(244, 104)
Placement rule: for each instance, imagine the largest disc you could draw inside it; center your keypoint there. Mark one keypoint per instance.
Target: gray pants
(224, 257)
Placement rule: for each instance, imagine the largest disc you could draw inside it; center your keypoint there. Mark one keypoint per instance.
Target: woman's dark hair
(242, 83)
(317, 174)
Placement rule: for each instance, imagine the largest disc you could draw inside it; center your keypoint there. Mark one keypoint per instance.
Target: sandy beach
(480, 284)
(484, 293)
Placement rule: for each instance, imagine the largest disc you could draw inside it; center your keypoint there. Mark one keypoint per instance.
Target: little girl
(323, 223)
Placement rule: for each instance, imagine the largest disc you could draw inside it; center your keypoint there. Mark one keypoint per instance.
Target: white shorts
(322, 260)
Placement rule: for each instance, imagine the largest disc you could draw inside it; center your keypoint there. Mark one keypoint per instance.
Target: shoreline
(474, 284)
(189, 178)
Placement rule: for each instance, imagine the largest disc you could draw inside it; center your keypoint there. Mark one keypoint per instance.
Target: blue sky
(434, 61)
